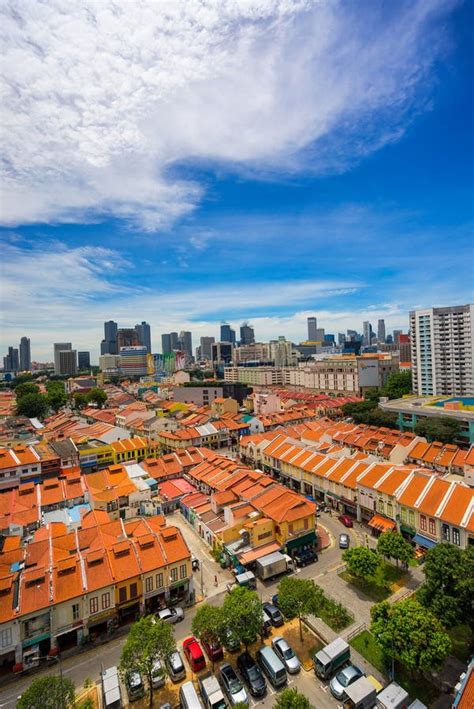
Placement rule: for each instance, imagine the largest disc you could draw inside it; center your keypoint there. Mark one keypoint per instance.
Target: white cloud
(102, 100)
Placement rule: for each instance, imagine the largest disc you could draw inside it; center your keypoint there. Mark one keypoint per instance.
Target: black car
(274, 614)
(305, 557)
(252, 675)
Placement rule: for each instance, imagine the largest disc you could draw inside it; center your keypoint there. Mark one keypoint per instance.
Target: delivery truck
(331, 658)
(273, 565)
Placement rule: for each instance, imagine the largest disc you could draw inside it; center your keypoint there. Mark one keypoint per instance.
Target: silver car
(343, 679)
(344, 541)
(232, 685)
(157, 674)
(171, 615)
(286, 654)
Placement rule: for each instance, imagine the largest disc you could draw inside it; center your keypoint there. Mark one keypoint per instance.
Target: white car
(286, 654)
(157, 674)
(171, 615)
(232, 685)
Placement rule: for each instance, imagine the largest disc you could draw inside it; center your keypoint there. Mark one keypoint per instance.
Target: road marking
(323, 687)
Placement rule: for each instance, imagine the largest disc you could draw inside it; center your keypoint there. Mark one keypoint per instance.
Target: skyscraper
(60, 347)
(381, 331)
(247, 334)
(109, 343)
(227, 333)
(25, 354)
(144, 335)
(396, 336)
(126, 337)
(11, 362)
(367, 330)
(442, 351)
(83, 360)
(133, 361)
(312, 328)
(166, 343)
(174, 340)
(186, 342)
(206, 347)
(67, 360)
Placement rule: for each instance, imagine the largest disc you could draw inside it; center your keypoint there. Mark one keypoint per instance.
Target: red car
(213, 650)
(346, 520)
(194, 654)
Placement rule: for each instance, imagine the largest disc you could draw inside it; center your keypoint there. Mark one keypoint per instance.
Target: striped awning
(382, 523)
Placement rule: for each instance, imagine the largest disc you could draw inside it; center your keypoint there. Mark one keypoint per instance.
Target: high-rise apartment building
(227, 334)
(60, 347)
(312, 328)
(247, 334)
(25, 354)
(205, 347)
(442, 350)
(11, 362)
(381, 334)
(133, 361)
(185, 342)
(281, 352)
(83, 360)
(67, 360)
(144, 335)
(404, 348)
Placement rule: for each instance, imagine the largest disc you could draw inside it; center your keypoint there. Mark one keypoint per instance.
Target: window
(174, 575)
(133, 590)
(404, 514)
(94, 604)
(6, 637)
(75, 611)
(432, 526)
(380, 506)
(149, 584)
(305, 523)
(182, 571)
(122, 594)
(290, 528)
(423, 522)
(456, 536)
(411, 517)
(159, 580)
(445, 533)
(106, 600)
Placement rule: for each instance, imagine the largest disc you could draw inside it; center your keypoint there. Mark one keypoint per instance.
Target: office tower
(341, 338)
(185, 342)
(247, 334)
(367, 330)
(206, 347)
(396, 336)
(84, 360)
(381, 330)
(25, 354)
(404, 348)
(312, 327)
(59, 347)
(67, 360)
(329, 338)
(320, 334)
(144, 335)
(174, 340)
(227, 334)
(11, 362)
(133, 361)
(221, 352)
(126, 337)
(166, 343)
(109, 343)
(281, 352)
(442, 344)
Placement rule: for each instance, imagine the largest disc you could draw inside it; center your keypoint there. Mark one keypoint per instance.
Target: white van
(272, 666)
(188, 698)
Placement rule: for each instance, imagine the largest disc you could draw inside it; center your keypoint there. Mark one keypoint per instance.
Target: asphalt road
(89, 663)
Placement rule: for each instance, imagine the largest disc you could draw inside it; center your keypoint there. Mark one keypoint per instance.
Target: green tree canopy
(361, 561)
(368, 412)
(290, 698)
(411, 634)
(243, 614)
(97, 396)
(26, 388)
(398, 384)
(80, 400)
(443, 429)
(148, 640)
(449, 584)
(51, 692)
(208, 622)
(57, 398)
(298, 598)
(393, 546)
(32, 406)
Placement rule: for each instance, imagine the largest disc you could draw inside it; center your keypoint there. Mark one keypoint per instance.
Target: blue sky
(264, 162)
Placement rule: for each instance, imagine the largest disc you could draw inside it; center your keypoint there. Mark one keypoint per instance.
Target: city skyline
(346, 194)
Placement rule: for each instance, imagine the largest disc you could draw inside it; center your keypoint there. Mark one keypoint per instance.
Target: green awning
(36, 640)
(309, 538)
(407, 529)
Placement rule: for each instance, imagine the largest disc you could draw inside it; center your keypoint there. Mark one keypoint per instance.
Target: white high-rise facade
(442, 351)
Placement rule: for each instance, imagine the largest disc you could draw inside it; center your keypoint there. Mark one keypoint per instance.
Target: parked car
(230, 641)
(252, 675)
(157, 675)
(171, 615)
(343, 679)
(346, 520)
(213, 650)
(233, 687)
(176, 668)
(194, 654)
(344, 541)
(274, 614)
(305, 557)
(286, 654)
(134, 685)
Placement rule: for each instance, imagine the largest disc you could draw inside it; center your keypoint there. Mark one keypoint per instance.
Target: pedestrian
(215, 580)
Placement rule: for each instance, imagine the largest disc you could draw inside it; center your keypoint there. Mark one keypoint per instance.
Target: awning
(382, 523)
(257, 553)
(424, 541)
(36, 640)
(407, 529)
(309, 538)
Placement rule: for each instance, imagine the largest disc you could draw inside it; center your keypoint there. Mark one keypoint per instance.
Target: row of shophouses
(64, 588)
(426, 506)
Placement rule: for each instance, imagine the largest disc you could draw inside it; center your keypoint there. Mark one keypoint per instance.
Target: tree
(299, 597)
(80, 400)
(393, 546)
(243, 614)
(290, 698)
(26, 388)
(409, 633)
(32, 406)
(449, 580)
(361, 561)
(50, 692)
(368, 412)
(148, 640)
(398, 384)
(443, 429)
(57, 398)
(208, 623)
(97, 396)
